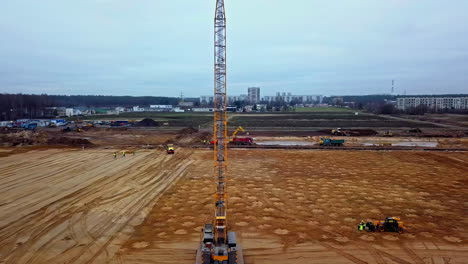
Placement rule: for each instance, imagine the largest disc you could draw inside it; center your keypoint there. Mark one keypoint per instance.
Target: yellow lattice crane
(218, 245)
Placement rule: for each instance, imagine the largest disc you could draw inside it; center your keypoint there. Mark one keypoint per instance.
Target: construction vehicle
(30, 126)
(331, 142)
(170, 149)
(388, 133)
(390, 224)
(339, 132)
(242, 141)
(238, 140)
(218, 245)
(239, 129)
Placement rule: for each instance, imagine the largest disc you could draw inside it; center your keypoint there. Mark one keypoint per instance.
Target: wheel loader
(390, 224)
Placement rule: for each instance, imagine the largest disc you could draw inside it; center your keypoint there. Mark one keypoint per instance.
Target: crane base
(240, 257)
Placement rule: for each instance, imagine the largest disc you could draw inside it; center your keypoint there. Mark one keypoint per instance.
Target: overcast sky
(163, 48)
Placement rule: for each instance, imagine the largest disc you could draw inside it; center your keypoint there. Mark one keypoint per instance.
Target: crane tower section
(220, 121)
(219, 246)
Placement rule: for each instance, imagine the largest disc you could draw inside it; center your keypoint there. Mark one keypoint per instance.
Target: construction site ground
(69, 205)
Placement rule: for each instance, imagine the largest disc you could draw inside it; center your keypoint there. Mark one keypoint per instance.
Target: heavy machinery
(390, 224)
(234, 134)
(30, 126)
(388, 133)
(331, 142)
(339, 132)
(219, 245)
(240, 140)
(170, 149)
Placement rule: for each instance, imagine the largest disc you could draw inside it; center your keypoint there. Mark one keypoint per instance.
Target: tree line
(17, 106)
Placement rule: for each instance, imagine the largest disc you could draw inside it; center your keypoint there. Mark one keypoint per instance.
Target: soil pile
(147, 122)
(353, 132)
(190, 135)
(23, 138)
(362, 132)
(187, 131)
(69, 141)
(29, 138)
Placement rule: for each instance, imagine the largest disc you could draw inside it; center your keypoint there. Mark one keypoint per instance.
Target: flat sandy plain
(288, 206)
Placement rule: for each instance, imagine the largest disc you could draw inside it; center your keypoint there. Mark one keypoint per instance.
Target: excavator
(242, 140)
(239, 129)
(238, 140)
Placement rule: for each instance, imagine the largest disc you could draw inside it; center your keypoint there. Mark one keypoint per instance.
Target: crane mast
(220, 121)
(219, 246)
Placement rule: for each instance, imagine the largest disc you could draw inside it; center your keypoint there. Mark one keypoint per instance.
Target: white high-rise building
(254, 94)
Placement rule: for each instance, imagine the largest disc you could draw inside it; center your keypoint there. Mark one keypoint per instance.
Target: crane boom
(218, 245)
(220, 121)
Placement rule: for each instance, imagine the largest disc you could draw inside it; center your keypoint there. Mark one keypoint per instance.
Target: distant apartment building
(254, 94)
(254, 97)
(234, 98)
(206, 99)
(186, 104)
(436, 103)
(288, 97)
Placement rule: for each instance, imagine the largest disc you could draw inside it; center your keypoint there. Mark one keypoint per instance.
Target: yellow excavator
(239, 129)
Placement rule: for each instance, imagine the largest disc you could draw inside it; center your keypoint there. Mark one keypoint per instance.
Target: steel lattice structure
(220, 121)
(219, 246)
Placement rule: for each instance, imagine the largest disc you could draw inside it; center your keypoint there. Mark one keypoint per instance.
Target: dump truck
(170, 149)
(242, 141)
(331, 142)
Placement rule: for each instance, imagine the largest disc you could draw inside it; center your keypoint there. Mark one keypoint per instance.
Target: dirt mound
(191, 136)
(187, 131)
(147, 122)
(69, 141)
(362, 132)
(23, 138)
(353, 132)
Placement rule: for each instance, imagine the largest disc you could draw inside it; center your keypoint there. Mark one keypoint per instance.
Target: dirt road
(61, 206)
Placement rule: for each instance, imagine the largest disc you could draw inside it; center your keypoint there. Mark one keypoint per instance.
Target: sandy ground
(288, 206)
(69, 206)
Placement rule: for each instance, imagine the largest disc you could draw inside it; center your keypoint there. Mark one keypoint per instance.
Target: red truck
(242, 141)
(239, 141)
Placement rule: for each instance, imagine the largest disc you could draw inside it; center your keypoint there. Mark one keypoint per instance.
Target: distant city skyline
(103, 47)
